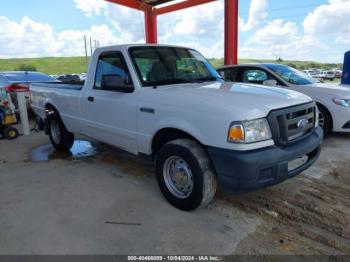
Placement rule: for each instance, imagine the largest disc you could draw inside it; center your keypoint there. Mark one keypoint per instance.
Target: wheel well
(166, 135)
(50, 107)
(329, 113)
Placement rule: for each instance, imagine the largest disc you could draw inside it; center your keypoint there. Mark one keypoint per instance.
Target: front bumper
(250, 170)
(341, 119)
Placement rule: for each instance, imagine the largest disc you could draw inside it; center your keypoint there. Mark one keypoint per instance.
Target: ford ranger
(168, 104)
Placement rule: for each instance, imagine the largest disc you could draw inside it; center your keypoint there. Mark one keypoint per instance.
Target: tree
(25, 67)
(279, 60)
(292, 65)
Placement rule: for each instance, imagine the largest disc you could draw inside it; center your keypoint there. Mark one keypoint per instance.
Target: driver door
(110, 115)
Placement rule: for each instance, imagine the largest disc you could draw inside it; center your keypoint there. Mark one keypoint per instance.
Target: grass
(68, 65)
(47, 65)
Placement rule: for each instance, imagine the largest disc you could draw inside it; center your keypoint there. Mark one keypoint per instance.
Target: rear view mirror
(270, 82)
(116, 83)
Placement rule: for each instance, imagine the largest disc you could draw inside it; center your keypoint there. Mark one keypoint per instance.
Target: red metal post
(180, 6)
(231, 32)
(150, 26)
(130, 3)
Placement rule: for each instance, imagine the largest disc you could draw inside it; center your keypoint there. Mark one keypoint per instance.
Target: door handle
(91, 99)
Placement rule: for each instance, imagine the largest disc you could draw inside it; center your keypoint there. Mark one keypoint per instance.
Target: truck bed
(59, 85)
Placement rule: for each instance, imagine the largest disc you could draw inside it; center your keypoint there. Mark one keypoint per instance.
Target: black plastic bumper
(250, 170)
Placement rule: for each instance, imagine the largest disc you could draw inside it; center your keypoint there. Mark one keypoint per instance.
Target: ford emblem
(302, 123)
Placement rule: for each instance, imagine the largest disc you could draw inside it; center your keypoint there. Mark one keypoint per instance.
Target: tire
(325, 119)
(189, 160)
(61, 139)
(11, 132)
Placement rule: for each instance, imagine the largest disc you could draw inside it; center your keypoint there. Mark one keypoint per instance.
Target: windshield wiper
(199, 80)
(157, 83)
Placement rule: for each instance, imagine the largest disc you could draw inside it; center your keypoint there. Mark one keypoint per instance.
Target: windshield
(28, 77)
(292, 75)
(158, 65)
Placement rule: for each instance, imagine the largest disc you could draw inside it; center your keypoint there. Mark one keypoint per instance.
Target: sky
(313, 30)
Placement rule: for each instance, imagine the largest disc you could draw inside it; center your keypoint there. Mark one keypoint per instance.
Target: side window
(2, 82)
(229, 74)
(111, 66)
(255, 76)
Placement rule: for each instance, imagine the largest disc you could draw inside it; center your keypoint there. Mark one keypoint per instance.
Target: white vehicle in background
(330, 75)
(312, 73)
(169, 104)
(322, 75)
(333, 100)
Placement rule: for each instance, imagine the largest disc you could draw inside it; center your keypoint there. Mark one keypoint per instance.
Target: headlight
(249, 131)
(342, 102)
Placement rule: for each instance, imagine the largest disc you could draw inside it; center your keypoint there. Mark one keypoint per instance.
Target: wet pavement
(80, 149)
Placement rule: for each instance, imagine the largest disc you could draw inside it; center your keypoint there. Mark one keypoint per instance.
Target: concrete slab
(106, 204)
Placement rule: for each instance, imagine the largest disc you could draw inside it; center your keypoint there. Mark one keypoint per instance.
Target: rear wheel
(60, 138)
(11, 132)
(185, 174)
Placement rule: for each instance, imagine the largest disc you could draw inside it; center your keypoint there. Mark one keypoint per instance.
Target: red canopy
(152, 9)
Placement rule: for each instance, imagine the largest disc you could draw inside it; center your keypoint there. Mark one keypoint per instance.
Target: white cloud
(201, 27)
(276, 31)
(282, 39)
(28, 38)
(329, 18)
(191, 23)
(257, 13)
(90, 7)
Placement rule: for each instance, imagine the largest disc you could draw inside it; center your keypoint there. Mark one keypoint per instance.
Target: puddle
(125, 162)
(47, 152)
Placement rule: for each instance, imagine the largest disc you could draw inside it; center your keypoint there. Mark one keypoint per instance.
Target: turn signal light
(236, 134)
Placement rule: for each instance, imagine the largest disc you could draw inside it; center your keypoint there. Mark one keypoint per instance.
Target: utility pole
(90, 47)
(86, 52)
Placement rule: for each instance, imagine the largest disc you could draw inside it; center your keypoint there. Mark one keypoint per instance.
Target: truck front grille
(291, 124)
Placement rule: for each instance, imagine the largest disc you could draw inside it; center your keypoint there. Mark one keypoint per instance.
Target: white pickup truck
(169, 104)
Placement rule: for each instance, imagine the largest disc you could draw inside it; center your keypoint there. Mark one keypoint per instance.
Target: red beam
(150, 26)
(131, 3)
(231, 32)
(179, 6)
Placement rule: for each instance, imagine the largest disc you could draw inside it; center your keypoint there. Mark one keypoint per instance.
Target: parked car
(15, 80)
(333, 100)
(327, 75)
(69, 78)
(322, 75)
(338, 73)
(169, 104)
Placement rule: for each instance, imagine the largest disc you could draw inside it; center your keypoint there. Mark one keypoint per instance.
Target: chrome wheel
(55, 131)
(321, 120)
(178, 177)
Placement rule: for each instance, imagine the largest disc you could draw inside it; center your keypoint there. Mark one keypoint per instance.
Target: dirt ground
(307, 215)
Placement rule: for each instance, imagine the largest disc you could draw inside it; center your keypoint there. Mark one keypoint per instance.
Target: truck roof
(127, 46)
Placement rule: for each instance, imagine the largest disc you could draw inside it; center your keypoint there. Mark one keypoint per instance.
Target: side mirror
(270, 82)
(116, 83)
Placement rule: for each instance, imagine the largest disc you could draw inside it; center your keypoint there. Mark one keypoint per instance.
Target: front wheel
(60, 138)
(11, 132)
(324, 120)
(185, 174)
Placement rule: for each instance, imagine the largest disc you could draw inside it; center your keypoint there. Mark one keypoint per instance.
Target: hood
(249, 101)
(340, 91)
